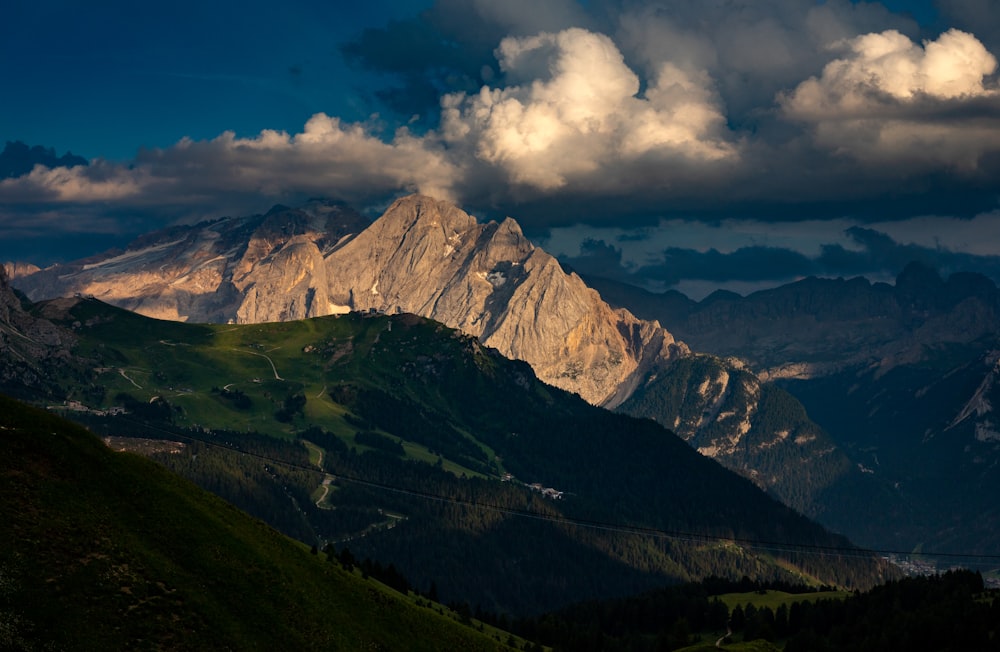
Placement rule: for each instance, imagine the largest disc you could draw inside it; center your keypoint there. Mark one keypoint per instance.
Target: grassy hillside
(102, 550)
(391, 435)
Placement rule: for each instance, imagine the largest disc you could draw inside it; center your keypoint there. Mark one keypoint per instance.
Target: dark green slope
(100, 550)
(417, 424)
(926, 428)
(783, 450)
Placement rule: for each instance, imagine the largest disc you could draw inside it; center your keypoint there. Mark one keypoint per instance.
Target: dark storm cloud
(977, 16)
(423, 62)
(872, 253)
(598, 258)
(47, 233)
(880, 255)
(18, 159)
(450, 47)
(745, 264)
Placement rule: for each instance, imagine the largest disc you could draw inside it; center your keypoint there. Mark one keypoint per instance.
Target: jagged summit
(429, 257)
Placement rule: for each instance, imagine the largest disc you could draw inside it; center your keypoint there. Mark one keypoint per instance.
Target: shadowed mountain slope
(103, 550)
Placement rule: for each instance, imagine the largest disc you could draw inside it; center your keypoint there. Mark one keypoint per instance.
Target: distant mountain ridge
(819, 326)
(904, 377)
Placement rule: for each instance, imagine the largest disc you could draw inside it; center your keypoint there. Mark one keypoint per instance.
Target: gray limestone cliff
(430, 258)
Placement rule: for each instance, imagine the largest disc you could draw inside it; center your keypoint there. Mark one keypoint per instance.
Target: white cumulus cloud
(891, 99)
(572, 109)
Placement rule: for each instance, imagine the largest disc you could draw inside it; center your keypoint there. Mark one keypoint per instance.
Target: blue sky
(669, 144)
(104, 79)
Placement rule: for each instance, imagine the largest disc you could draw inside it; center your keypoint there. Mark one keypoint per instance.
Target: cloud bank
(890, 100)
(750, 255)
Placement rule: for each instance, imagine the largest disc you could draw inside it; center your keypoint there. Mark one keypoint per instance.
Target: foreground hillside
(110, 551)
(413, 444)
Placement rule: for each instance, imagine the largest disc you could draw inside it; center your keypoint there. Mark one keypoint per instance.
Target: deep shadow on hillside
(101, 550)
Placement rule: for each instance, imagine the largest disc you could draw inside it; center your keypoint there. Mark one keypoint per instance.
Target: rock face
(258, 268)
(18, 269)
(432, 259)
(725, 412)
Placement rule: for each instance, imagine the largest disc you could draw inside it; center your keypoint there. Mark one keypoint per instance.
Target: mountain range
(413, 444)
(786, 387)
(428, 257)
(424, 256)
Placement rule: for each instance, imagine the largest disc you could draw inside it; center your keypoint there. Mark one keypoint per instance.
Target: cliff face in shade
(30, 348)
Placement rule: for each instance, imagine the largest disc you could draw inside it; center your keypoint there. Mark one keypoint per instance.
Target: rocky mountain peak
(423, 256)
(423, 212)
(18, 269)
(430, 258)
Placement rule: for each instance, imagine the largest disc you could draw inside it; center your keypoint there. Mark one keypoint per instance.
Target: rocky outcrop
(19, 269)
(292, 285)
